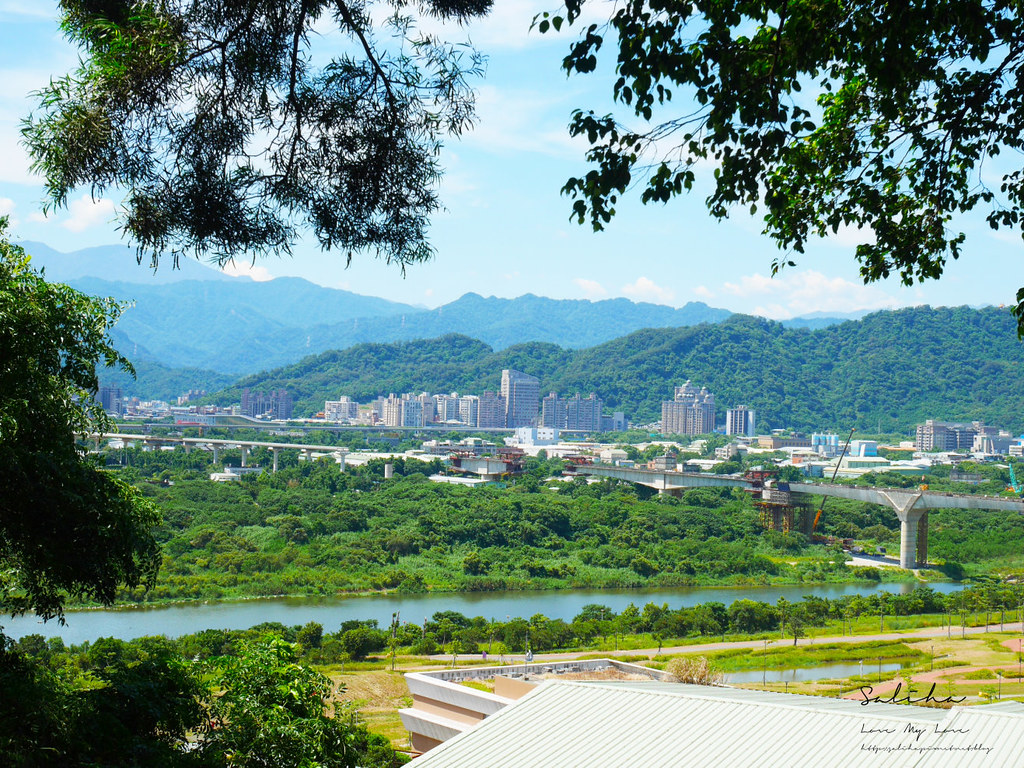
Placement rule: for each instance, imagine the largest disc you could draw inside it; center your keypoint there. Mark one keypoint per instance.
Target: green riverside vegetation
(311, 529)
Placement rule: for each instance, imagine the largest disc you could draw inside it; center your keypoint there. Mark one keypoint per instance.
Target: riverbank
(194, 616)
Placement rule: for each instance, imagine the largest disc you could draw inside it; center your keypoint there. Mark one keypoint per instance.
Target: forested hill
(888, 371)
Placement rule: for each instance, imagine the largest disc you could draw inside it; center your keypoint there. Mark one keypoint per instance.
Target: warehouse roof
(652, 724)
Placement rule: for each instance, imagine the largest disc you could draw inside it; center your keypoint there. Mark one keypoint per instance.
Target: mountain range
(198, 318)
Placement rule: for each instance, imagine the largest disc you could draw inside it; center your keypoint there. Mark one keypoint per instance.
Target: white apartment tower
(740, 421)
(522, 398)
(691, 412)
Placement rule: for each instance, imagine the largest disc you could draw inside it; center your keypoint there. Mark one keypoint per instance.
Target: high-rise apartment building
(948, 436)
(111, 400)
(344, 409)
(469, 410)
(691, 412)
(275, 403)
(740, 421)
(491, 411)
(572, 413)
(522, 398)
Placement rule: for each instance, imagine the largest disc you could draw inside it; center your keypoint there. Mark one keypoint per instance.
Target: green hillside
(886, 372)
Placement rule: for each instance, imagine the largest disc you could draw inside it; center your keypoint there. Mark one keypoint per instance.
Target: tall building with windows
(491, 410)
(522, 398)
(112, 400)
(740, 421)
(949, 436)
(690, 412)
(275, 403)
(344, 409)
(572, 413)
(469, 410)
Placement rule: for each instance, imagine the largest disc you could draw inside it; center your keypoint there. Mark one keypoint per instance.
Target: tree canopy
(229, 136)
(66, 527)
(882, 118)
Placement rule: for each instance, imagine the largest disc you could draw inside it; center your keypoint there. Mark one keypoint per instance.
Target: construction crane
(839, 461)
(1014, 486)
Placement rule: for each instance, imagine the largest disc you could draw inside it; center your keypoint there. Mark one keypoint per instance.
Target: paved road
(915, 634)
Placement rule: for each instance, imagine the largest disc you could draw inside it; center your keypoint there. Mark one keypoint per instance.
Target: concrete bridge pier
(216, 455)
(913, 545)
(275, 451)
(245, 454)
(922, 540)
(676, 492)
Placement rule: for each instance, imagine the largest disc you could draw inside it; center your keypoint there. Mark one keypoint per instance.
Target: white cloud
(645, 289)
(799, 293)
(255, 272)
(86, 212)
(704, 292)
(523, 121)
(591, 288)
(7, 209)
(849, 236)
(35, 10)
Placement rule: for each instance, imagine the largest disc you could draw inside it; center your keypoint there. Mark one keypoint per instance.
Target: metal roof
(569, 724)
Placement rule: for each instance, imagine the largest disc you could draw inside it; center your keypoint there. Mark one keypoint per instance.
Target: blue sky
(506, 229)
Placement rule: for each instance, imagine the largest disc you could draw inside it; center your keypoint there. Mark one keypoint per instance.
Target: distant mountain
(117, 263)
(815, 320)
(241, 326)
(158, 382)
(233, 327)
(887, 372)
(503, 323)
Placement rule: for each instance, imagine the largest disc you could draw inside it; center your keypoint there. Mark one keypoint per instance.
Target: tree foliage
(66, 528)
(229, 133)
(872, 116)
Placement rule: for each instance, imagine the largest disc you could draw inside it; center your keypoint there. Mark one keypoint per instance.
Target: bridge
(911, 506)
(217, 445)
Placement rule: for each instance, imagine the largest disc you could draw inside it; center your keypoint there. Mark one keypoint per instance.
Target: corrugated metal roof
(569, 724)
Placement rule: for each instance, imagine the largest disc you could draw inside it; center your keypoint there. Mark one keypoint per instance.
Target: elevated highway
(218, 444)
(911, 506)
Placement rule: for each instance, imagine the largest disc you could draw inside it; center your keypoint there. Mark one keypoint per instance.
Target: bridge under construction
(911, 506)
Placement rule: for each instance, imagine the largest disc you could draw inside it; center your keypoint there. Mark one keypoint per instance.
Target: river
(186, 618)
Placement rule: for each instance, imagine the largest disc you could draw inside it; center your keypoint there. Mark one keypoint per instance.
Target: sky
(505, 230)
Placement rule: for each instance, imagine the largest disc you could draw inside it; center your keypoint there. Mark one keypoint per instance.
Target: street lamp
(764, 676)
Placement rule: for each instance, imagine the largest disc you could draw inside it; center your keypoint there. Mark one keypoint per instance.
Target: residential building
(574, 413)
(469, 410)
(447, 408)
(112, 400)
(948, 436)
(406, 411)
(275, 403)
(522, 398)
(691, 412)
(491, 411)
(344, 409)
(740, 421)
